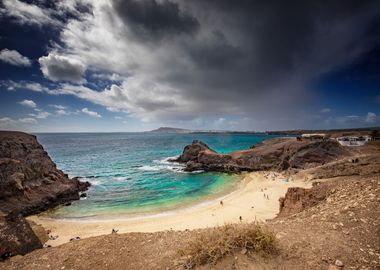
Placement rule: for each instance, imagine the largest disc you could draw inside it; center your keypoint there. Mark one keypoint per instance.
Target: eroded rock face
(191, 152)
(276, 154)
(29, 180)
(298, 199)
(16, 236)
(29, 183)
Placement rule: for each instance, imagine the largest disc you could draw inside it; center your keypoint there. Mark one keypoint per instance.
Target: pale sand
(247, 201)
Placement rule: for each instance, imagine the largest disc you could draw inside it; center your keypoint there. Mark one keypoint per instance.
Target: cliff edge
(29, 183)
(29, 180)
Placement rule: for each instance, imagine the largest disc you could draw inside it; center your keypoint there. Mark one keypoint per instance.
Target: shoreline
(246, 199)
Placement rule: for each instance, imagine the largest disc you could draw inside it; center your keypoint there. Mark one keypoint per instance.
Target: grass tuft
(211, 245)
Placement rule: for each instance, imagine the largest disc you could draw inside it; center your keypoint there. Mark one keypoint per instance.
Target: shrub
(211, 245)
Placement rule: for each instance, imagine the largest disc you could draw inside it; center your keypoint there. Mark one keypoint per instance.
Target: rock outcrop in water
(275, 154)
(29, 183)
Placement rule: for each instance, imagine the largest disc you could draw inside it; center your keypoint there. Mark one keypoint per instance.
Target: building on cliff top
(315, 136)
(353, 140)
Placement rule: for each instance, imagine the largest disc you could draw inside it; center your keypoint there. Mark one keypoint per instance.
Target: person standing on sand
(221, 203)
(241, 219)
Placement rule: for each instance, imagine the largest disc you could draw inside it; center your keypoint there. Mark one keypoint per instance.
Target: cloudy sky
(133, 65)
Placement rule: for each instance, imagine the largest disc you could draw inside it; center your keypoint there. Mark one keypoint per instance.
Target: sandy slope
(247, 201)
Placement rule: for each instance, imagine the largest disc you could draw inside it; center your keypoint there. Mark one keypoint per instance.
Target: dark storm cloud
(272, 49)
(252, 60)
(214, 52)
(152, 19)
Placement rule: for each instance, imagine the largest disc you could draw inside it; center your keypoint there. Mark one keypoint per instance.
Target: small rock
(339, 263)
(244, 251)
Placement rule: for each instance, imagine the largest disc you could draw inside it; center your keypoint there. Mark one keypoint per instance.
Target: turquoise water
(130, 173)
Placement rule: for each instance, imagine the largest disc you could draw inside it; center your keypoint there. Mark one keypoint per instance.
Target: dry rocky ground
(338, 229)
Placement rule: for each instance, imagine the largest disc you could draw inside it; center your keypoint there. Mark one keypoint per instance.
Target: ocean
(130, 172)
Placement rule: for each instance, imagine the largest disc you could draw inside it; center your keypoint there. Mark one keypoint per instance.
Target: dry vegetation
(212, 245)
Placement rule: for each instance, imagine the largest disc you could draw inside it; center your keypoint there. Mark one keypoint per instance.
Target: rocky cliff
(29, 180)
(275, 154)
(29, 183)
(298, 199)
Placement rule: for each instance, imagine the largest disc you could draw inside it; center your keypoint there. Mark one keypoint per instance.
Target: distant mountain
(171, 130)
(283, 132)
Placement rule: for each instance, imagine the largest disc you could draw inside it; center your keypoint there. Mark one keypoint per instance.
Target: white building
(353, 140)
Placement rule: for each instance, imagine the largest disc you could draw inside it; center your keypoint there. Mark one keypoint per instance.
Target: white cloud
(118, 117)
(25, 13)
(325, 110)
(111, 77)
(62, 112)
(57, 106)
(7, 123)
(91, 113)
(34, 87)
(40, 114)
(62, 68)
(14, 58)
(27, 85)
(28, 120)
(135, 95)
(28, 103)
(371, 117)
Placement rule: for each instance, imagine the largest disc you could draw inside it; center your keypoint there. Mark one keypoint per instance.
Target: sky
(136, 65)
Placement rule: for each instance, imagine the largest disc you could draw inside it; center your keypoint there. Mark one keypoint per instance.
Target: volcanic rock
(29, 180)
(29, 183)
(297, 199)
(16, 236)
(275, 154)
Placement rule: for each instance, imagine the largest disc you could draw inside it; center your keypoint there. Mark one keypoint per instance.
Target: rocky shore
(29, 183)
(275, 155)
(333, 225)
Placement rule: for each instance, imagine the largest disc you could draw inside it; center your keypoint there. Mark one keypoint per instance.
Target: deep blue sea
(130, 174)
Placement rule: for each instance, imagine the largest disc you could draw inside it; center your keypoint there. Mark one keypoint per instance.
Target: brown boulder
(16, 236)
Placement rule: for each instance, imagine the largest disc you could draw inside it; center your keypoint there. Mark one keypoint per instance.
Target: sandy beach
(254, 198)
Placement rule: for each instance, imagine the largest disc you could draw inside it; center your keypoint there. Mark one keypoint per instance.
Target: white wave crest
(167, 164)
(94, 182)
(161, 167)
(167, 161)
(120, 178)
